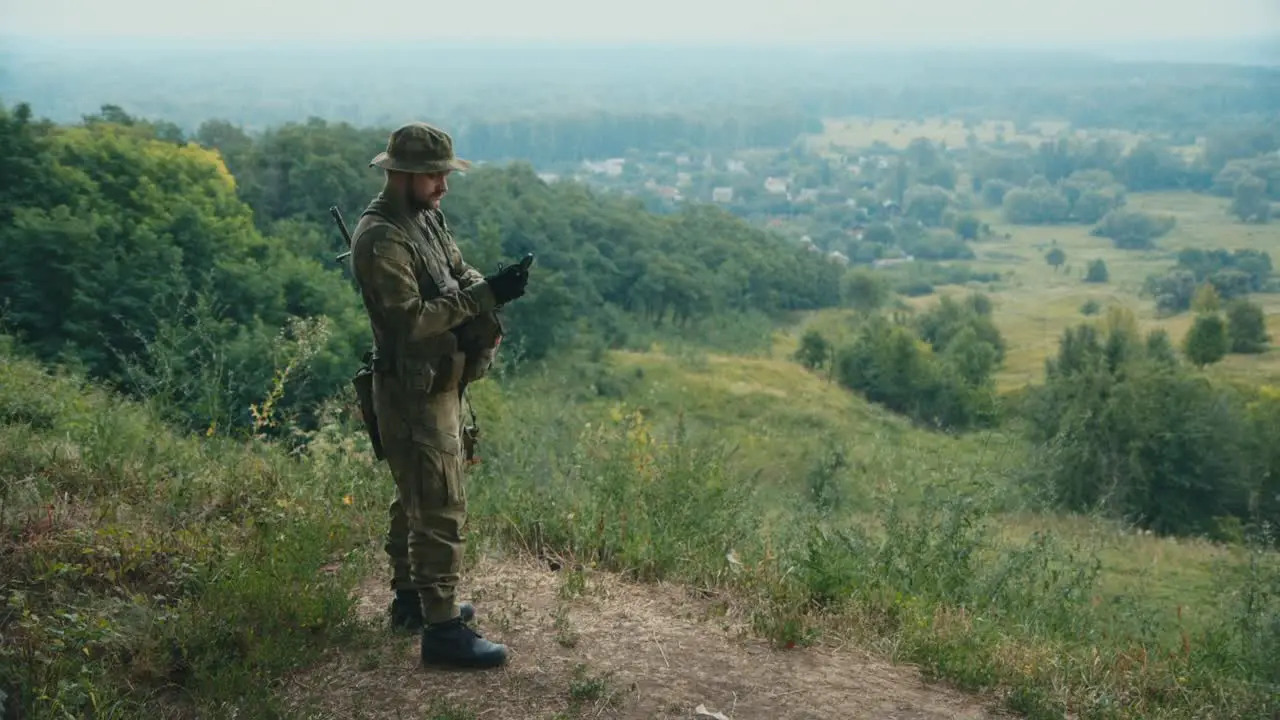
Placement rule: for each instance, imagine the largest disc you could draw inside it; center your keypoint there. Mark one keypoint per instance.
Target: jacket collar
(392, 204)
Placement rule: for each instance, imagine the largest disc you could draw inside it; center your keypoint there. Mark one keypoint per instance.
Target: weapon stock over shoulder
(342, 227)
(363, 379)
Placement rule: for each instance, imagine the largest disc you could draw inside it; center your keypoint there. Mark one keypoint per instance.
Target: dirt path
(611, 650)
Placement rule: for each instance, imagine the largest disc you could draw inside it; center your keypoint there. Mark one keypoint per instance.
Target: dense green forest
(144, 261)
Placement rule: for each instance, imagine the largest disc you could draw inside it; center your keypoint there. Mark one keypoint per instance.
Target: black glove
(508, 283)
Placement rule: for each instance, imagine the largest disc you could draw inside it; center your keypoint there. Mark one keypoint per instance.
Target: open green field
(781, 418)
(861, 133)
(1036, 303)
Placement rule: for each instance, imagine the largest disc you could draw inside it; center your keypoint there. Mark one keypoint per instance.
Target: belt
(379, 364)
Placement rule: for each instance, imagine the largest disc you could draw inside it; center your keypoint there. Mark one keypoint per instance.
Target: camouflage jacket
(415, 285)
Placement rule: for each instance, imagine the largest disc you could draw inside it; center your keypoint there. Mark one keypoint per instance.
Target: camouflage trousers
(424, 541)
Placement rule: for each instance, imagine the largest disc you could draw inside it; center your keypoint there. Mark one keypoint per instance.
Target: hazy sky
(957, 21)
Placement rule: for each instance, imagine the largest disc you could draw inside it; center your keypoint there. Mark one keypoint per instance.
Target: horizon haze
(910, 23)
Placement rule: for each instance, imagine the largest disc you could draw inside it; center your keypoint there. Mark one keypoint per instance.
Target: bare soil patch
(588, 645)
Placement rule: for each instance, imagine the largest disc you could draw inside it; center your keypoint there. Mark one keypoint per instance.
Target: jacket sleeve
(462, 271)
(465, 274)
(385, 271)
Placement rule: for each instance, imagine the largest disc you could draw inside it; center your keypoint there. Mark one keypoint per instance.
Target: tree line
(185, 268)
(351, 84)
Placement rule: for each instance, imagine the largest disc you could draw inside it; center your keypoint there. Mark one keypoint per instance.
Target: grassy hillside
(782, 420)
(147, 574)
(219, 563)
(785, 422)
(834, 462)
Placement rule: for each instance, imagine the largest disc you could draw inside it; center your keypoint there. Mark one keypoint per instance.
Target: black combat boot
(406, 611)
(453, 642)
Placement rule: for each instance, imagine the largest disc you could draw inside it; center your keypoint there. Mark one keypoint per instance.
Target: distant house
(838, 257)
(722, 195)
(669, 193)
(611, 167)
(683, 159)
(548, 177)
(775, 186)
(889, 262)
(807, 195)
(736, 166)
(684, 179)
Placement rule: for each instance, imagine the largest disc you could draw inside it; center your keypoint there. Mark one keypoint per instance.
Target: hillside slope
(181, 576)
(782, 524)
(590, 645)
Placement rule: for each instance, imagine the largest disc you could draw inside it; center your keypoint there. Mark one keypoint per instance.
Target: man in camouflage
(420, 296)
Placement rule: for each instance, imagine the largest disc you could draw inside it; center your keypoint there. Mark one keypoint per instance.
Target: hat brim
(432, 167)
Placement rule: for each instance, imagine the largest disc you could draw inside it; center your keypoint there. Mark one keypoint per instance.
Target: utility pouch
(479, 338)
(470, 438)
(449, 373)
(363, 384)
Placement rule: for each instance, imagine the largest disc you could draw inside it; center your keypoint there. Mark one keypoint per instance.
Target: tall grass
(149, 574)
(925, 568)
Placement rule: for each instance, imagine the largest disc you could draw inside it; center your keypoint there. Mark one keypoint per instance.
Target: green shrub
(1247, 327)
(938, 375)
(1123, 428)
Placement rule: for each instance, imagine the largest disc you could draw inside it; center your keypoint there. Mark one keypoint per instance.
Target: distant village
(783, 191)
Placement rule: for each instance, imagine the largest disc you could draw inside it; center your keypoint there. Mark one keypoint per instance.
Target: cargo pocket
(453, 481)
(441, 480)
(411, 397)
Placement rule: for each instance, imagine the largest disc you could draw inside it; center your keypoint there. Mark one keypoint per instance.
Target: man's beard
(417, 205)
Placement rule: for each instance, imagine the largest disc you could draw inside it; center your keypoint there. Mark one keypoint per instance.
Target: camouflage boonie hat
(419, 148)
